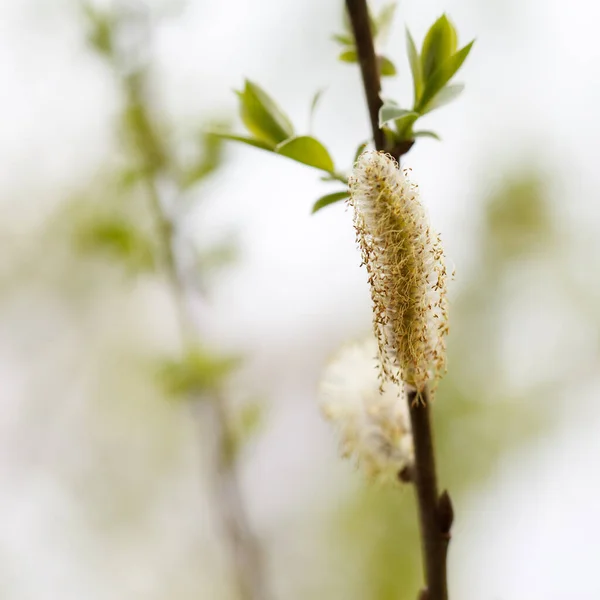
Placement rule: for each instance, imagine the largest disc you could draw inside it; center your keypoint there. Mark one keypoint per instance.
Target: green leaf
(197, 371)
(415, 66)
(313, 107)
(442, 75)
(404, 126)
(118, 238)
(386, 67)
(245, 140)
(307, 150)
(262, 117)
(390, 112)
(212, 153)
(439, 44)
(383, 21)
(429, 134)
(343, 39)
(359, 151)
(101, 32)
(444, 96)
(349, 55)
(324, 201)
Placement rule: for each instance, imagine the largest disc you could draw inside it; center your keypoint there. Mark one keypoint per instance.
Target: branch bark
(361, 27)
(435, 512)
(358, 12)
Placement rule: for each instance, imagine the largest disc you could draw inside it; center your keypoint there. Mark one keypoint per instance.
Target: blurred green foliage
(197, 372)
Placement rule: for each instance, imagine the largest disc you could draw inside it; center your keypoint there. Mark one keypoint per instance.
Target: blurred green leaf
(119, 239)
(404, 126)
(349, 55)
(324, 201)
(384, 20)
(430, 134)
(386, 67)
(262, 117)
(245, 140)
(415, 66)
(141, 130)
(212, 154)
(217, 256)
(390, 112)
(307, 150)
(313, 107)
(100, 32)
(359, 151)
(518, 217)
(197, 371)
(444, 96)
(343, 39)
(439, 44)
(441, 76)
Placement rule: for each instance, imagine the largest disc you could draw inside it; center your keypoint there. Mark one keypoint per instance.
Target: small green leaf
(390, 112)
(386, 67)
(439, 44)
(429, 134)
(307, 150)
(359, 151)
(101, 33)
(343, 39)
(404, 126)
(444, 96)
(198, 371)
(262, 117)
(415, 67)
(313, 107)
(383, 21)
(245, 140)
(349, 55)
(118, 238)
(212, 152)
(324, 201)
(442, 75)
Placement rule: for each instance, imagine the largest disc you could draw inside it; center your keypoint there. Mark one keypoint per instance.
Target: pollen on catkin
(371, 419)
(404, 259)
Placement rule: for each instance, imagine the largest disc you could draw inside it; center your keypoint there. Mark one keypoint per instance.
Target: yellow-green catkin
(407, 273)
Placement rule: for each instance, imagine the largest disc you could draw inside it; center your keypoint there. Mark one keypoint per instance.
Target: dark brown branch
(359, 18)
(369, 67)
(435, 512)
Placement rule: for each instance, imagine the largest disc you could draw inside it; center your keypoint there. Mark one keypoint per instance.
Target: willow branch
(435, 512)
(243, 546)
(365, 49)
(358, 12)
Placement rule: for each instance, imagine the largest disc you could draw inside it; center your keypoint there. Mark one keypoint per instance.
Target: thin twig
(361, 27)
(243, 546)
(369, 67)
(435, 512)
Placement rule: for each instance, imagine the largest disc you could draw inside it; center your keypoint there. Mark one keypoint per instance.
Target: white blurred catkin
(371, 420)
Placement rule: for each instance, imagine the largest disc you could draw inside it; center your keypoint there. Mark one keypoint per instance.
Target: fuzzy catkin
(371, 418)
(407, 274)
